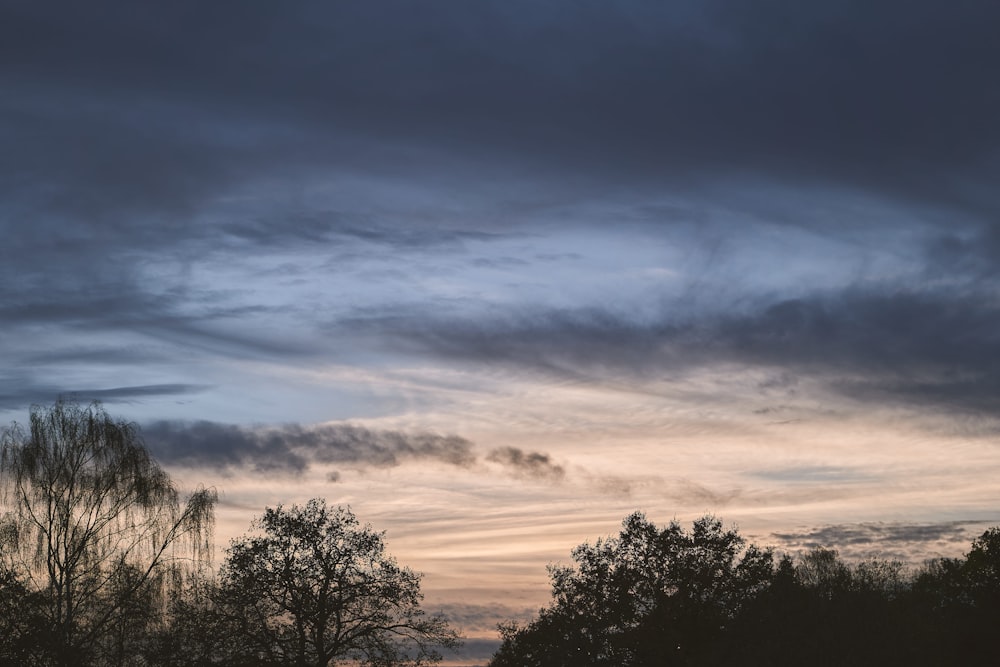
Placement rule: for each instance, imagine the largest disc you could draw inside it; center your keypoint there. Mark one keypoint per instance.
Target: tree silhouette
(649, 596)
(22, 624)
(95, 526)
(652, 596)
(959, 604)
(314, 586)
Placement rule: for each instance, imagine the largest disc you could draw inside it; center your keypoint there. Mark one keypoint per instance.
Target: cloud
(533, 465)
(293, 448)
(629, 92)
(617, 485)
(693, 494)
(919, 347)
(814, 474)
(911, 542)
(478, 649)
(870, 533)
(134, 170)
(479, 623)
(24, 392)
(477, 618)
(678, 490)
(124, 393)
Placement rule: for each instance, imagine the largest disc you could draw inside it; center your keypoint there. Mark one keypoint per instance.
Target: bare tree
(95, 524)
(315, 588)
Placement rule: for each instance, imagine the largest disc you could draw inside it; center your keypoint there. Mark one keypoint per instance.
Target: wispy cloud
(18, 391)
(911, 542)
(814, 474)
(520, 463)
(873, 533)
(921, 347)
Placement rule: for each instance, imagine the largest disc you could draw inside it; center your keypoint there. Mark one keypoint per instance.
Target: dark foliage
(647, 597)
(23, 630)
(658, 597)
(311, 587)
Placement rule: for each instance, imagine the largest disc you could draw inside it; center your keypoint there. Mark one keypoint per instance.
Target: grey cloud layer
(27, 391)
(141, 144)
(527, 464)
(293, 448)
(885, 95)
(909, 542)
(912, 543)
(875, 533)
(920, 347)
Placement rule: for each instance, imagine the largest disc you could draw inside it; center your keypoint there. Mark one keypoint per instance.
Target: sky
(497, 274)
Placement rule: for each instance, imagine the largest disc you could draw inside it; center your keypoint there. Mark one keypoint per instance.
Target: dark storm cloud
(164, 105)
(133, 119)
(293, 448)
(921, 347)
(535, 465)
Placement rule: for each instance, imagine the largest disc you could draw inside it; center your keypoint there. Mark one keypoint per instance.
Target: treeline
(665, 596)
(102, 564)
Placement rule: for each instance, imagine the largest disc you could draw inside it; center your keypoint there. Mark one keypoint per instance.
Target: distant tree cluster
(664, 596)
(102, 564)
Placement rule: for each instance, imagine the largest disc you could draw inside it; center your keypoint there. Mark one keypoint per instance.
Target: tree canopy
(312, 586)
(648, 596)
(656, 597)
(95, 525)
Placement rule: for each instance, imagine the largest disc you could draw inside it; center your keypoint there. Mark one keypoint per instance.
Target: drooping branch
(93, 519)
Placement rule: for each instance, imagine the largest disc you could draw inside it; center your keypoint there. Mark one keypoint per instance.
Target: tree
(199, 632)
(22, 628)
(95, 525)
(982, 570)
(650, 596)
(960, 600)
(823, 571)
(313, 587)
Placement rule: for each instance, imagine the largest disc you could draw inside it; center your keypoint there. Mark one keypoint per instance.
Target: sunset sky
(499, 273)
